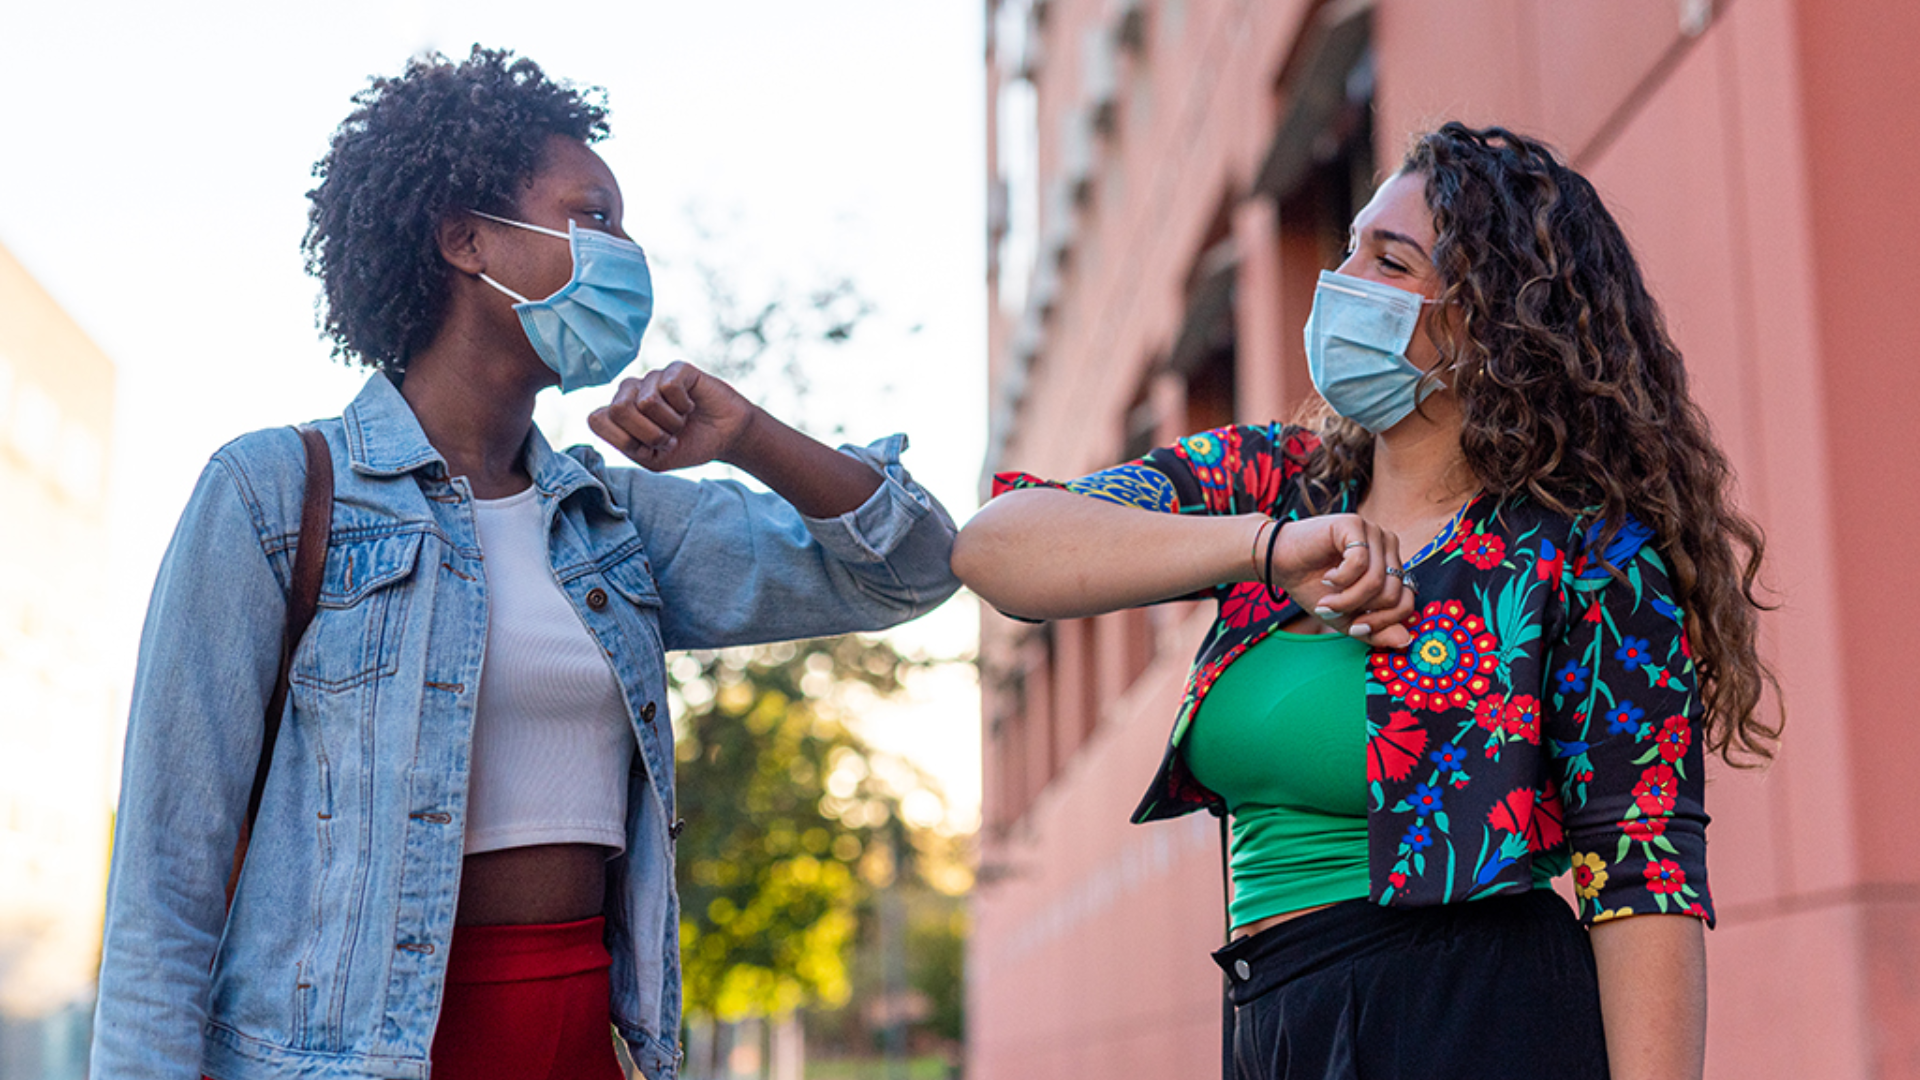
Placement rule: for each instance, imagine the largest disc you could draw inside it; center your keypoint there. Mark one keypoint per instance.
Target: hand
(674, 418)
(1336, 566)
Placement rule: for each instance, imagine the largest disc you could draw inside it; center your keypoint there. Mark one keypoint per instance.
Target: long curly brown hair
(1572, 393)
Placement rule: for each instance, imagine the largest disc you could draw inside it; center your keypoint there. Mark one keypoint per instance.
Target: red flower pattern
(1395, 749)
(1674, 738)
(1664, 876)
(1247, 604)
(1644, 830)
(1490, 711)
(1521, 718)
(1546, 829)
(1483, 550)
(1654, 794)
(1512, 813)
(1447, 666)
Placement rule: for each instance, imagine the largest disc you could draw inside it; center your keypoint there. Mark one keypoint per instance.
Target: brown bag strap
(309, 570)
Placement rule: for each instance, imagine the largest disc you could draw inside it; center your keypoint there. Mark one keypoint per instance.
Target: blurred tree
(789, 824)
(793, 821)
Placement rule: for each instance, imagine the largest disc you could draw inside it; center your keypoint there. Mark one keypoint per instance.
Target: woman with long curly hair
(462, 855)
(1479, 626)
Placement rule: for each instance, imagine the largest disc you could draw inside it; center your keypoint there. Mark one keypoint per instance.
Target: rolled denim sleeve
(208, 657)
(737, 566)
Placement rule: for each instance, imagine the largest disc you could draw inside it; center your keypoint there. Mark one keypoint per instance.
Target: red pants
(526, 1002)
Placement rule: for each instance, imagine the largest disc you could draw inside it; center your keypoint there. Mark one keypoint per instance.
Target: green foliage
(788, 827)
(936, 963)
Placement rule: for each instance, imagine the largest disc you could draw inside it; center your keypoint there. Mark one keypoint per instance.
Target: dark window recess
(1142, 425)
(1205, 349)
(1210, 393)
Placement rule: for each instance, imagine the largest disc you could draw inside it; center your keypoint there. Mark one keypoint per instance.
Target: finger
(637, 407)
(1358, 595)
(1349, 540)
(628, 430)
(1392, 587)
(662, 413)
(676, 386)
(1392, 637)
(1392, 626)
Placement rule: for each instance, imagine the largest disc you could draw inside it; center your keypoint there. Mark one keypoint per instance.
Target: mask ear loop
(522, 225)
(1446, 363)
(514, 296)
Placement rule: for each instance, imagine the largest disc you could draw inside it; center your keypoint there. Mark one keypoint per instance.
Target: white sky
(154, 160)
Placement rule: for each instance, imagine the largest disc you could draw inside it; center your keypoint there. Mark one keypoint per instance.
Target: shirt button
(1241, 969)
(647, 711)
(597, 599)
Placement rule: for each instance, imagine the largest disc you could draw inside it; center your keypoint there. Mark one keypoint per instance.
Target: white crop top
(552, 744)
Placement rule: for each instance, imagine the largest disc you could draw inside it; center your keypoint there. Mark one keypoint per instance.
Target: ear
(458, 238)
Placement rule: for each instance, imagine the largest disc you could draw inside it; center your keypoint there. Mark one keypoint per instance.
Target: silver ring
(1397, 571)
(1354, 544)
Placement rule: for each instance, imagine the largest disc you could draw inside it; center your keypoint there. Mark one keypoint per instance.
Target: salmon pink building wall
(1756, 153)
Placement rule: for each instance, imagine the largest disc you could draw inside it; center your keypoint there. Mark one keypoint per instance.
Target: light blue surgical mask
(1357, 339)
(590, 330)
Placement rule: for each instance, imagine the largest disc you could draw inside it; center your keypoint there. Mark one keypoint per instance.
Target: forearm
(816, 479)
(1653, 995)
(1045, 553)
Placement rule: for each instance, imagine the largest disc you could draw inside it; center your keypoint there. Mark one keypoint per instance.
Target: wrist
(1257, 549)
(752, 445)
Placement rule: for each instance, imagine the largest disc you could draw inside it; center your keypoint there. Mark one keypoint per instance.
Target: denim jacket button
(597, 599)
(647, 711)
(1243, 969)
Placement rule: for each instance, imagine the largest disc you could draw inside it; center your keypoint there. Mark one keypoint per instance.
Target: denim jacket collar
(384, 438)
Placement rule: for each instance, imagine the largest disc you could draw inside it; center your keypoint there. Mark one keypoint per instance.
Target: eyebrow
(1389, 234)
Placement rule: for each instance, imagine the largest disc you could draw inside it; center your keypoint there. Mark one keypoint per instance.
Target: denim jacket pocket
(633, 579)
(355, 635)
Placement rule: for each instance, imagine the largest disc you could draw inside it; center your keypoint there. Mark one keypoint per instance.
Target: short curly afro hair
(441, 138)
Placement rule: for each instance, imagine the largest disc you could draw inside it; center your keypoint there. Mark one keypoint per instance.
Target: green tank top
(1282, 738)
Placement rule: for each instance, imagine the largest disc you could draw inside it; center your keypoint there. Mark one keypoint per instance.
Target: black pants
(1488, 990)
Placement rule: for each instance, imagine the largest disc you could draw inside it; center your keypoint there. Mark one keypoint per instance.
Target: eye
(1389, 264)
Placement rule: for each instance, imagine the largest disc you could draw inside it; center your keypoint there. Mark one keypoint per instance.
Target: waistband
(499, 954)
(1358, 929)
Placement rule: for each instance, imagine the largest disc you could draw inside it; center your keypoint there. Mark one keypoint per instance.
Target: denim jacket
(331, 962)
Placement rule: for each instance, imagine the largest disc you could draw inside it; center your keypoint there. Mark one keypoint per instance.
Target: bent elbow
(976, 558)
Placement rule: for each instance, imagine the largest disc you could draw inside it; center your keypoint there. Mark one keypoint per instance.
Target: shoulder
(1244, 441)
(1240, 468)
(1583, 540)
(262, 450)
(267, 469)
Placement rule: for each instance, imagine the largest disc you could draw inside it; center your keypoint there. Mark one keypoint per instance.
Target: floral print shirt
(1547, 713)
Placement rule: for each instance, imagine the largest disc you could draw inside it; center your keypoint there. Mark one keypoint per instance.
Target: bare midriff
(534, 885)
(1258, 925)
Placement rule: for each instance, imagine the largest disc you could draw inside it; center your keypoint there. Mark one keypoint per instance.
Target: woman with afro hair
(1481, 620)
(462, 856)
